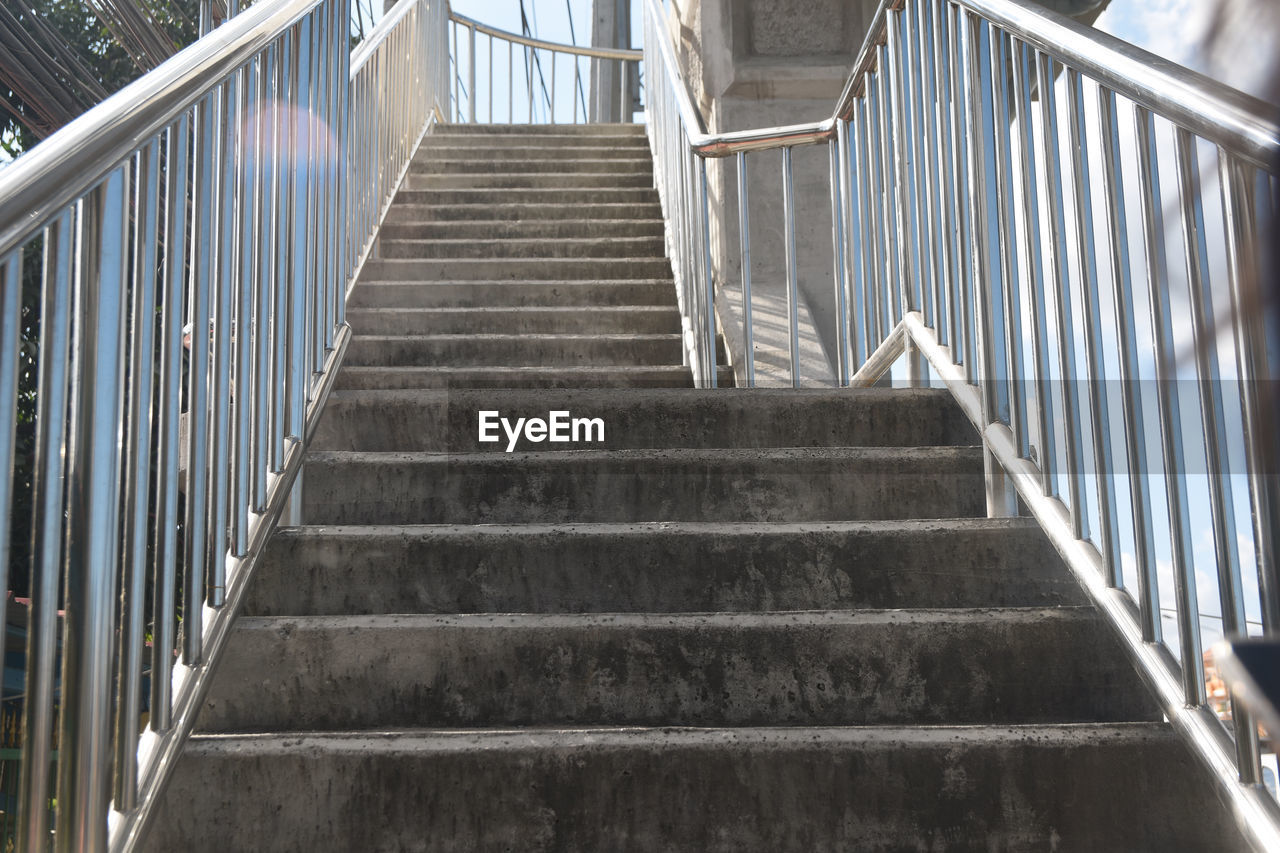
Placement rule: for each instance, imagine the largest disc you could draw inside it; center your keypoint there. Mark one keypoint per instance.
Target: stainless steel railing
(531, 68)
(233, 191)
(1066, 231)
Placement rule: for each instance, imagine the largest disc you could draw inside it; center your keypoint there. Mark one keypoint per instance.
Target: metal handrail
(630, 54)
(965, 213)
(107, 133)
(235, 191)
(627, 60)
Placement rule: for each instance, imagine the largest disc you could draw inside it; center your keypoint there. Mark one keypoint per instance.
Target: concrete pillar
(610, 27)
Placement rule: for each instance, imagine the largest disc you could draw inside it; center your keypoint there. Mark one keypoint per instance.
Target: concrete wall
(759, 63)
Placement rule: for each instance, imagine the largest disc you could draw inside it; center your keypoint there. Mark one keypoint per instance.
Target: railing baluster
(1087, 264)
(1117, 235)
(1174, 455)
(838, 267)
(1055, 248)
(48, 484)
(163, 641)
(744, 252)
(1252, 363)
(1033, 268)
(93, 517)
(197, 530)
(789, 247)
(1002, 500)
(137, 491)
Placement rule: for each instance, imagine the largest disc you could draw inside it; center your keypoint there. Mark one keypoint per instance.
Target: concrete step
(478, 148)
(902, 667)
(371, 293)
(667, 567)
(527, 350)
(559, 181)
(642, 320)
(537, 247)
(464, 164)
(517, 269)
(1084, 787)
(498, 209)
(629, 376)
(771, 484)
(637, 419)
(627, 130)
(646, 197)
(504, 229)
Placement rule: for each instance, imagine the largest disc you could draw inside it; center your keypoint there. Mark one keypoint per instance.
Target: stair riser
(656, 569)
(512, 294)
(496, 209)
(516, 269)
(497, 351)
(646, 199)
(964, 667)
(437, 150)
(522, 230)
(672, 376)
(636, 419)
(566, 182)
(581, 165)
(510, 321)
(888, 790)
(600, 247)
(643, 486)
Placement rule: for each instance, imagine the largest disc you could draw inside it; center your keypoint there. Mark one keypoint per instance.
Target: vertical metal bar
(137, 477)
(793, 296)
(708, 281)
(1056, 262)
(553, 88)
(1033, 269)
(1213, 418)
(899, 139)
(871, 280)
(744, 251)
(46, 524)
(93, 519)
(491, 80)
(1251, 369)
(837, 277)
(471, 74)
(10, 343)
(286, 183)
(1007, 251)
(890, 221)
(850, 214)
(220, 385)
(963, 234)
(1087, 261)
(528, 68)
(882, 278)
(205, 207)
(928, 122)
(269, 207)
(1117, 235)
(511, 92)
(164, 607)
(296, 365)
(1001, 498)
(1174, 456)
(251, 326)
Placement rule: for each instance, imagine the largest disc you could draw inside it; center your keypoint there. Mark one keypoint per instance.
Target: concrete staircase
(745, 620)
